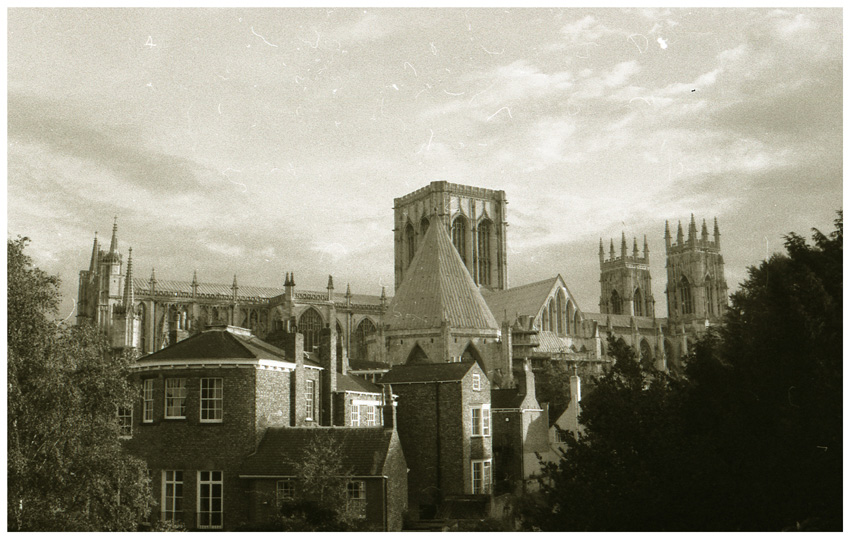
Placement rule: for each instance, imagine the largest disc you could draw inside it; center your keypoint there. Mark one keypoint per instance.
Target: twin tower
(696, 285)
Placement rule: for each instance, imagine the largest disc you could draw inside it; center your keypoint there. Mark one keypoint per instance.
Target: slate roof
(184, 288)
(364, 365)
(520, 300)
(363, 450)
(220, 343)
(438, 286)
(622, 320)
(347, 382)
(427, 372)
(506, 399)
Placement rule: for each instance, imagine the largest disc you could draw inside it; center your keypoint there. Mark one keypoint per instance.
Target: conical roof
(437, 286)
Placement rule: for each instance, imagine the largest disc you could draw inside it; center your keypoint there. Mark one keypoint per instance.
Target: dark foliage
(67, 470)
(749, 439)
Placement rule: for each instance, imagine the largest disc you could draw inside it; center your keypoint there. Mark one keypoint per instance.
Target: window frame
(354, 415)
(211, 483)
(481, 424)
(484, 484)
(371, 416)
(358, 493)
(213, 400)
(182, 398)
(310, 397)
(123, 427)
(284, 490)
(476, 382)
(176, 505)
(147, 400)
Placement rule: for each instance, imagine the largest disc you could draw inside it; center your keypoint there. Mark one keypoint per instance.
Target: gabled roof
(363, 451)
(347, 382)
(520, 300)
(221, 343)
(437, 286)
(427, 372)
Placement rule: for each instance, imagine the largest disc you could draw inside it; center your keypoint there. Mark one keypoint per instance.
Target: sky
(260, 141)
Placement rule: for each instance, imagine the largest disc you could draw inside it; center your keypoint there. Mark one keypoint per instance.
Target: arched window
(544, 319)
(423, 226)
(143, 321)
(309, 325)
(471, 354)
(410, 235)
(459, 237)
(709, 294)
(645, 350)
(484, 230)
(570, 311)
(552, 316)
(638, 302)
(559, 308)
(616, 304)
(576, 323)
(685, 296)
(340, 341)
(359, 349)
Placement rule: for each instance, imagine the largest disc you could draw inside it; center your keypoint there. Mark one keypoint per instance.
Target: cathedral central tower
(474, 219)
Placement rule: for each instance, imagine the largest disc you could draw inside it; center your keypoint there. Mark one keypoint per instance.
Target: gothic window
(471, 354)
(616, 304)
(552, 316)
(709, 294)
(309, 325)
(544, 319)
(685, 296)
(340, 338)
(638, 302)
(559, 307)
(576, 323)
(410, 235)
(364, 330)
(423, 226)
(459, 237)
(645, 350)
(143, 347)
(484, 230)
(570, 310)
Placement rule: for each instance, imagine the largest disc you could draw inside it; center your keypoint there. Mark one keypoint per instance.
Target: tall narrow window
(172, 494)
(210, 509)
(355, 416)
(559, 312)
(212, 398)
(481, 420)
(616, 305)
(709, 295)
(685, 296)
(638, 302)
(310, 324)
(175, 398)
(459, 237)
(359, 341)
(570, 310)
(476, 382)
(371, 416)
(147, 401)
(125, 421)
(423, 227)
(552, 316)
(481, 476)
(309, 398)
(484, 230)
(410, 236)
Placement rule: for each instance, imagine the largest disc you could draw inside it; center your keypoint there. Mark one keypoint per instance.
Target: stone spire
(330, 288)
(113, 247)
(716, 233)
(645, 248)
(692, 230)
(93, 264)
(129, 289)
(667, 234)
(601, 252)
(680, 237)
(704, 231)
(195, 283)
(612, 249)
(623, 246)
(635, 248)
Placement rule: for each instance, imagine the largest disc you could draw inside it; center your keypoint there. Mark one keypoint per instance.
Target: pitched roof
(366, 365)
(363, 451)
(622, 320)
(347, 382)
(520, 300)
(221, 343)
(427, 372)
(438, 286)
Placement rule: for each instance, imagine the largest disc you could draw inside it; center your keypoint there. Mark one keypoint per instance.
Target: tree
(749, 439)
(67, 470)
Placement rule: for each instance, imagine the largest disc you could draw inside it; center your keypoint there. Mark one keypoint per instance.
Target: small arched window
(484, 231)
(459, 237)
(638, 302)
(309, 325)
(685, 296)
(616, 304)
(423, 226)
(410, 236)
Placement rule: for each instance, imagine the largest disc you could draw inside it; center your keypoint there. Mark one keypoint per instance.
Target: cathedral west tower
(626, 285)
(474, 219)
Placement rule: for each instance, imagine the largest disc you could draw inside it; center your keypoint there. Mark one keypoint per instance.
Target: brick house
(444, 428)
(371, 459)
(520, 433)
(206, 403)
